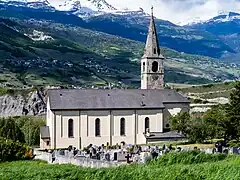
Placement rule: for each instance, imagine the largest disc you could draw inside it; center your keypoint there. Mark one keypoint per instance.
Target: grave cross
(128, 158)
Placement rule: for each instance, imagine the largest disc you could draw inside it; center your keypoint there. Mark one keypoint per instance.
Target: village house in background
(77, 117)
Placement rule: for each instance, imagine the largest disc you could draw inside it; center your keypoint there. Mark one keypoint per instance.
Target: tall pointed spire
(152, 44)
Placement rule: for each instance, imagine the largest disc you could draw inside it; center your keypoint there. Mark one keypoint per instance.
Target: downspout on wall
(79, 130)
(135, 127)
(111, 128)
(54, 131)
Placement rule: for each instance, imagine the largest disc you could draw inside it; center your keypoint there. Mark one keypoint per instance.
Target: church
(79, 117)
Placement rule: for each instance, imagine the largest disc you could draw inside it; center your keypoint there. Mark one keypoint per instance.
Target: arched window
(70, 128)
(143, 66)
(97, 127)
(155, 66)
(122, 127)
(154, 51)
(146, 124)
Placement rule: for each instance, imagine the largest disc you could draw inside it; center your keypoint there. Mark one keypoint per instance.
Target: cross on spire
(152, 10)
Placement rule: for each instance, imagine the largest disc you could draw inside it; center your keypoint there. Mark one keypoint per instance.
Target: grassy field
(217, 87)
(172, 166)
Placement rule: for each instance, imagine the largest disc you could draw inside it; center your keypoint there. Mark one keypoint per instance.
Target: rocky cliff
(32, 103)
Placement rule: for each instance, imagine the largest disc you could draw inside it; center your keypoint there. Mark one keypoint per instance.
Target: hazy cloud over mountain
(181, 11)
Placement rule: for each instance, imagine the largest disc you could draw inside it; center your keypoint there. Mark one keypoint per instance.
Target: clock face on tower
(155, 77)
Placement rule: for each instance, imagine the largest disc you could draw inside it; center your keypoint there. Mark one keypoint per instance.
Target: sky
(181, 11)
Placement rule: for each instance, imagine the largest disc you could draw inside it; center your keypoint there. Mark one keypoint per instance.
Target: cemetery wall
(78, 161)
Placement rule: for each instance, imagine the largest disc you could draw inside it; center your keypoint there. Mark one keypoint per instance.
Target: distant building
(135, 116)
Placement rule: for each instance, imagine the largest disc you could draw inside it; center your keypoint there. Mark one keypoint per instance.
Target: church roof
(74, 99)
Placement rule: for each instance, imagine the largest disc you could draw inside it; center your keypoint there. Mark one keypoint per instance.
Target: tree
(197, 131)
(216, 122)
(30, 126)
(180, 122)
(10, 130)
(193, 128)
(233, 114)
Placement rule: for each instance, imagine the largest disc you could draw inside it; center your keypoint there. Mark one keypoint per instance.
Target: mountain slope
(132, 25)
(45, 53)
(226, 27)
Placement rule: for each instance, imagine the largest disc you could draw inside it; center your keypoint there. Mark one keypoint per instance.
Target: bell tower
(152, 69)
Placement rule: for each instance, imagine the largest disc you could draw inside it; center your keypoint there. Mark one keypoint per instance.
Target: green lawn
(179, 166)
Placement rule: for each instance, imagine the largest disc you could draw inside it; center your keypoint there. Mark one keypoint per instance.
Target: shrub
(207, 86)
(11, 151)
(233, 143)
(10, 130)
(197, 101)
(187, 157)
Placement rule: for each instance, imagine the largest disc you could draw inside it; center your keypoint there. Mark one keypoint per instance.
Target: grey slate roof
(167, 135)
(77, 99)
(44, 132)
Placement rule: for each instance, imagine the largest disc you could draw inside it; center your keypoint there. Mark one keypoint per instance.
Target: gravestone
(115, 155)
(235, 150)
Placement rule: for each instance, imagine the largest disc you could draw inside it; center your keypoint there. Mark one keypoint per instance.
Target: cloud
(181, 11)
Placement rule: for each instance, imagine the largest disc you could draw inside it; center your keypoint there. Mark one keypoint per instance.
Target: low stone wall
(39, 155)
(86, 162)
(78, 161)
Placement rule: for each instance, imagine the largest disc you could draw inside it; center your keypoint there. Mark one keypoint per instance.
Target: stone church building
(136, 116)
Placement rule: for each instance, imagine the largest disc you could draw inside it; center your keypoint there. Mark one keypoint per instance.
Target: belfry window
(122, 127)
(155, 66)
(154, 51)
(147, 125)
(70, 128)
(144, 66)
(97, 127)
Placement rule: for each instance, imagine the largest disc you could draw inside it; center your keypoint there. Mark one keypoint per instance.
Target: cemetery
(107, 157)
(173, 165)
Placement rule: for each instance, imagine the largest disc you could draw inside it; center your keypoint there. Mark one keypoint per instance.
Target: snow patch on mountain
(231, 16)
(36, 4)
(223, 16)
(71, 5)
(67, 5)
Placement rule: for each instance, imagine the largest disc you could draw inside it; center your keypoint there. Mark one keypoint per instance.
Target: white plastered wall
(84, 127)
(129, 116)
(49, 123)
(155, 123)
(62, 139)
(88, 127)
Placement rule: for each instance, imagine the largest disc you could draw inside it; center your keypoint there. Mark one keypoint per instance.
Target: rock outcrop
(27, 104)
